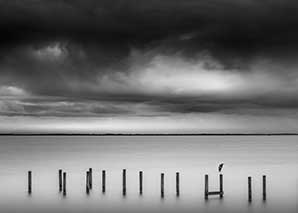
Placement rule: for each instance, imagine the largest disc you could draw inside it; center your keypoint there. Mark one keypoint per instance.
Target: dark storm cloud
(242, 25)
(224, 27)
(97, 58)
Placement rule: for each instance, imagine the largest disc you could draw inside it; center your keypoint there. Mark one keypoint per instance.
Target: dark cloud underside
(140, 59)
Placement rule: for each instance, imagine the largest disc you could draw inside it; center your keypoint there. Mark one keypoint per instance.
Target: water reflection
(191, 156)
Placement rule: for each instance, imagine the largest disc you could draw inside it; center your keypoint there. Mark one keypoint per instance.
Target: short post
(90, 178)
(141, 182)
(124, 182)
(221, 186)
(60, 180)
(206, 187)
(64, 183)
(264, 188)
(29, 182)
(87, 182)
(103, 181)
(177, 184)
(249, 190)
(162, 185)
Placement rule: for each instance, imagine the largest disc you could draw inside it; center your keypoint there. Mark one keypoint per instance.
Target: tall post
(206, 187)
(103, 181)
(29, 182)
(124, 182)
(87, 182)
(249, 190)
(90, 178)
(60, 180)
(221, 186)
(162, 182)
(64, 183)
(264, 188)
(177, 184)
(141, 182)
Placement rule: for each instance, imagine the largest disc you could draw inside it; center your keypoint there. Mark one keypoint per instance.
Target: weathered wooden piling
(177, 184)
(60, 180)
(103, 181)
(90, 178)
(220, 192)
(87, 182)
(124, 182)
(141, 182)
(249, 190)
(221, 186)
(64, 183)
(264, 188)
(29, 182)
(162, 183)
(206, 187)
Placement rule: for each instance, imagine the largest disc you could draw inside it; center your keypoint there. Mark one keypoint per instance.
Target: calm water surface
(192, 156)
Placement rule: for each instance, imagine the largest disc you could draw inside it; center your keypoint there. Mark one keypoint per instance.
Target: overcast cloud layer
(186, 66)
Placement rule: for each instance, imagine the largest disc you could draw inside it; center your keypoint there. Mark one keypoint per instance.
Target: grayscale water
(192, 156)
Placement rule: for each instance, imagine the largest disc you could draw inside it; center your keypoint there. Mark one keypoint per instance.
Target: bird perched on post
(220, 167)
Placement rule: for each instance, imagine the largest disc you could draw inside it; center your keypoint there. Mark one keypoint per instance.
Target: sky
(148, 66)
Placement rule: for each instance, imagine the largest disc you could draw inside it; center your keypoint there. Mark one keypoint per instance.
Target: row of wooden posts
(207, 193)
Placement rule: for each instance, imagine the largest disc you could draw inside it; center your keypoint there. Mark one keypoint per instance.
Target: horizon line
(147, 134)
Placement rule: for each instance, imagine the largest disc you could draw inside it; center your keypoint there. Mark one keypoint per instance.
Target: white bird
(220, 167)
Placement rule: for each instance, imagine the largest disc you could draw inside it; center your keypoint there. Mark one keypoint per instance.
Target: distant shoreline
(161, 134)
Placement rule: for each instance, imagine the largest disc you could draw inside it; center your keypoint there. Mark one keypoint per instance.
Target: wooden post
(141, 182)
(103, 181)
(162, 185)
(60, 180)
(124, 182)
(206, 187)
(264, 188)
(29, 182)
(87, 182)
(177, 184)
(90, 178)
(64, 183)
(221, 186)
(249, 190)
